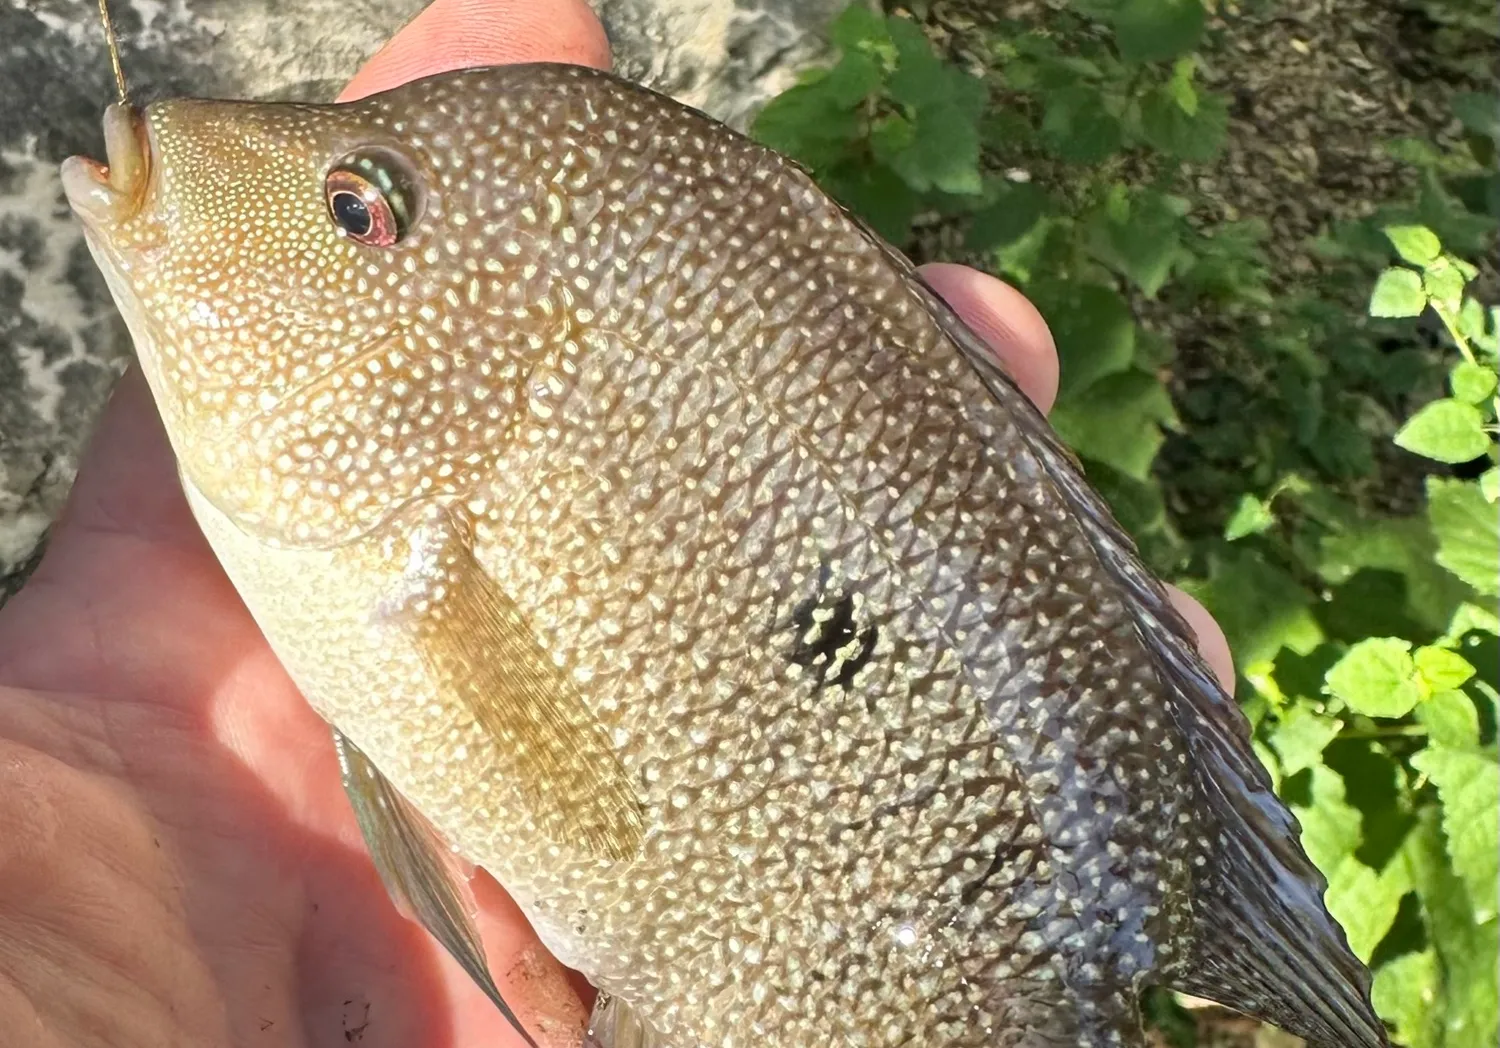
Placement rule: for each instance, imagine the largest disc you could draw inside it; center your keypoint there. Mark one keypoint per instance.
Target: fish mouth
(113, 191)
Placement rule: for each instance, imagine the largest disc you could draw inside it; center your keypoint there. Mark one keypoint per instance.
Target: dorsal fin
(1264, 942)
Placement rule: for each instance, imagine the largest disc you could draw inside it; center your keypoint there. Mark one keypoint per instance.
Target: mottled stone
(61, 343)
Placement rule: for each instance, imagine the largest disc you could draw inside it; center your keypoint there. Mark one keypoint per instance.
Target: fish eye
(371, 197)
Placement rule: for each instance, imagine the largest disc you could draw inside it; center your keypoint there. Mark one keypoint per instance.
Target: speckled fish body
(666, 543)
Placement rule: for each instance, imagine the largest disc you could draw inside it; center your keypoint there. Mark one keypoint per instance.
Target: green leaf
(1377, 677)
(1444, 285)
(1472, 383)
(1405, 545)
(1156, 30)
(1445, 430)
(1250, 517)
(1016, 209)
(1468, 784)
(1078, 127)
(858, 27)
(1301, 736)
(1330, 826)
(1143, 243)
(1416, 244)
(878, 195)
(1442, 669)
(1468, 951)
(1260, 607)
(1196, 137)
(943, 152)
(809, 124)
(1364, 902)
(1398, 293)
(1180, 86)
(1450, 719)
(1489, 484)
(1093, 328)
(1408, 994)
(1118, 421)
(1468, 534)
(1478, 112)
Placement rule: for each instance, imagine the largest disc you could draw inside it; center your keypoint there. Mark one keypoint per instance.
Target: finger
(461, 34)
(127, 483)
(1211, 640)
(1005, 319)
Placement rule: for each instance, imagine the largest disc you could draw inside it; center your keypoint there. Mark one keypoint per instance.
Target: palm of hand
(178, 863)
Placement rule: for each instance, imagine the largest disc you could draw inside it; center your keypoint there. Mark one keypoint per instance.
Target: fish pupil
(351, 213)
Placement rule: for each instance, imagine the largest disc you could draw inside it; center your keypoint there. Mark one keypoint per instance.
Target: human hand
(178, 863)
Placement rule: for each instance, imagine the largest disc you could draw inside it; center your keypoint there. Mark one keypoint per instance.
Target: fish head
(268, 259)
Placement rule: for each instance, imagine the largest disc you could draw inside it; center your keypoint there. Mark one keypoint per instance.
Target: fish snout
(114, 190)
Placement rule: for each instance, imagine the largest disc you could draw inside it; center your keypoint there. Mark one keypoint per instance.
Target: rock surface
(61, 343)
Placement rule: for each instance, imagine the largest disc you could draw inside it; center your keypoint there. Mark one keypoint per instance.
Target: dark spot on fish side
(824, 633)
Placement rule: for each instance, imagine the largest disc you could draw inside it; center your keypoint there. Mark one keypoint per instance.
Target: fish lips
(115, 190)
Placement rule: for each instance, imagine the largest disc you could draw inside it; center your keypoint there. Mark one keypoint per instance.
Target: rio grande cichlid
(652, 536)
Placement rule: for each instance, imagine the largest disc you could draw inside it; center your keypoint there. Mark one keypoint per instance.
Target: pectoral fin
(549, 747)
(420, 872)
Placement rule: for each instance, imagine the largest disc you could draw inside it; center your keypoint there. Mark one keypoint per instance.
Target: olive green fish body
(663, 539)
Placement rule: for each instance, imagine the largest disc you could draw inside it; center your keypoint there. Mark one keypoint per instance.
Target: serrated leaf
(1364, 903)
(943, 154)
(1416, 244)
(1471, 383)
(1445, 430)
(1450, 719)
(1467, 532)
(1468, 784)
(1408, 994)
(1251, 516)
(1442, 669)
(1468, 951)
(1142, 243)
(1156, 30)
(1301, 736)
(1398, 293)
(1377, 677)
(1078, 127)
(1260, 607)
(857, 26)
(1118, 421)
(1444, 285)
(1016, 209)
(1331, 827)
(1093, 328)
(808, 124)
(1196, 137)
(1405, 545)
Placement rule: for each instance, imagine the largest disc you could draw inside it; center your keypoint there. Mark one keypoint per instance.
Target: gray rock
(62, 344)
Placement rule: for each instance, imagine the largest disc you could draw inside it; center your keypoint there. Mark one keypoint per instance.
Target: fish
(650, 534)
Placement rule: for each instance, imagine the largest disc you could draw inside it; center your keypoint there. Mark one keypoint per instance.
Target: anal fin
(419, 871)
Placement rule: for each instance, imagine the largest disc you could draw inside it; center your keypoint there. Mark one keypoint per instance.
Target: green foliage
(1328, 488)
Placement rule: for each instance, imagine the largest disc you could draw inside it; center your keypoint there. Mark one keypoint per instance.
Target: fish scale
(651, 535)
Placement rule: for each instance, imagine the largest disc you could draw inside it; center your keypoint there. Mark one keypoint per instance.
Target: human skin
(178, 864)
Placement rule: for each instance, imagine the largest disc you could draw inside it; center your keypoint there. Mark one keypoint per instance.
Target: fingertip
(1008, 323)
(1211, 640)
(462, 34)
